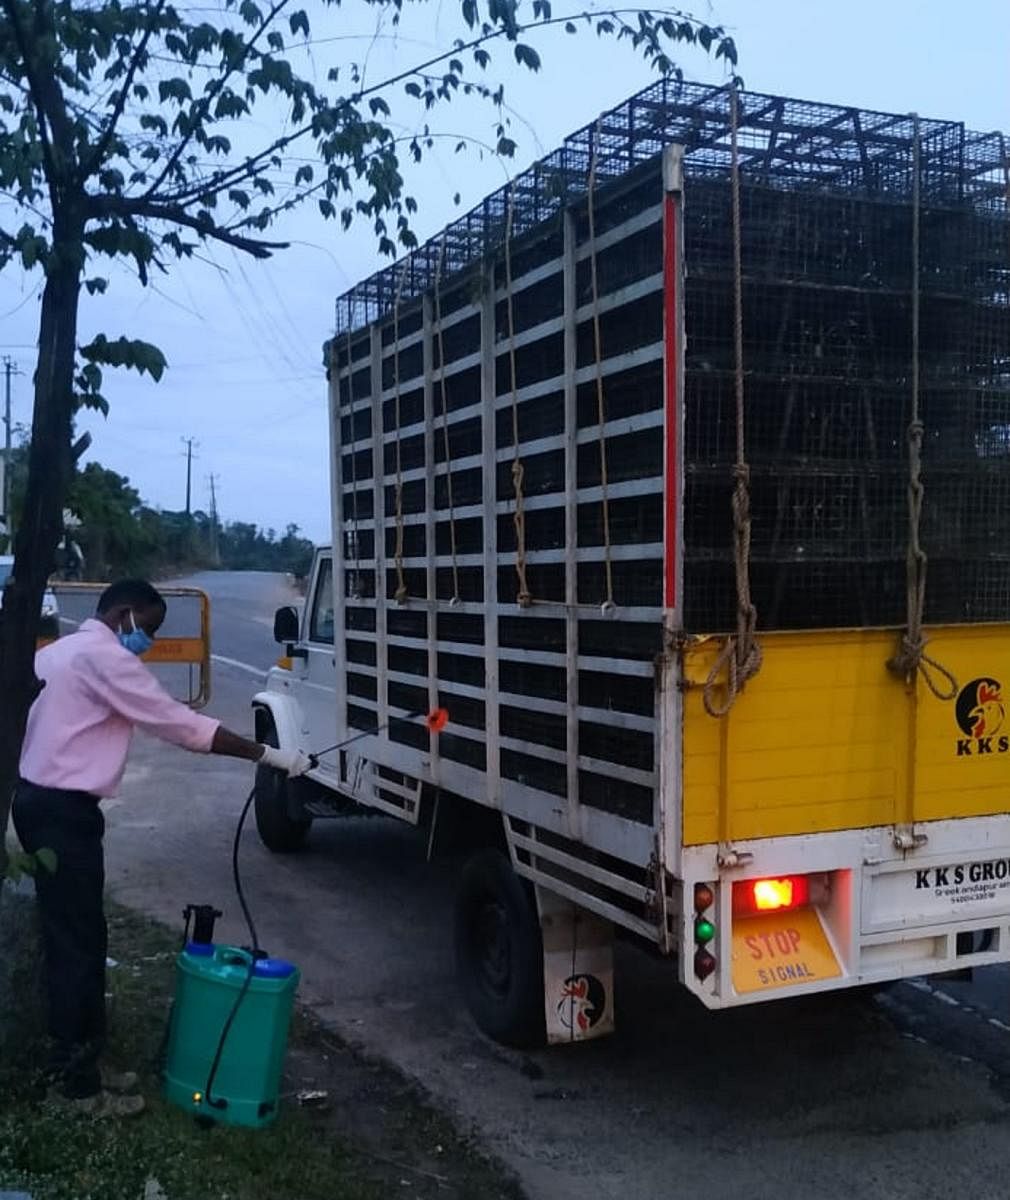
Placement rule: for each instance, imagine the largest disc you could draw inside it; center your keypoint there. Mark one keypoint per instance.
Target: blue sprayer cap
(200, 949)
(273, 968)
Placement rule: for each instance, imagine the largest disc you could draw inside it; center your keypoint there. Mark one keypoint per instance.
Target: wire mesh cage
(849, 220)
(500, 410)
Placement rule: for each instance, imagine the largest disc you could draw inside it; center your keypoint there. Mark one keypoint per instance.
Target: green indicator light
(704, 931)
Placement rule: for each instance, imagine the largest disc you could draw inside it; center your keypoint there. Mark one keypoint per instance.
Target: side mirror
(286, 624)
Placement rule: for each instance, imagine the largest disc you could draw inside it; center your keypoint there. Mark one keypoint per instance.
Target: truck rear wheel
(278, 830)
(499, 951)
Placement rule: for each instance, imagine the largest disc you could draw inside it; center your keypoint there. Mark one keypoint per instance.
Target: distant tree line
(119, 534)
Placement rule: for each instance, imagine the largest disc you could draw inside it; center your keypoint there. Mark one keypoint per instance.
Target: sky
(243, 338)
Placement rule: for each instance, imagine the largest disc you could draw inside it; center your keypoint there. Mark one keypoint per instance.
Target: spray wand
(436, 721)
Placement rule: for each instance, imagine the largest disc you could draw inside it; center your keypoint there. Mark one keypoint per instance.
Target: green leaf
(526, 56)
(126, 352)
(727, 50)
(89, 380)
(47, 859)
(96, 286)
(32, 246)
(299, 23)
(174, 89)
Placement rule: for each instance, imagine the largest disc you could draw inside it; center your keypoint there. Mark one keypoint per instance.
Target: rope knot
(907, 658)
(741, 658)
(911, 659)
(749, 656)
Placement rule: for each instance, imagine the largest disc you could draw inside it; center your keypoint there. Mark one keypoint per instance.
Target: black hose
(254, 938)
(255, 946)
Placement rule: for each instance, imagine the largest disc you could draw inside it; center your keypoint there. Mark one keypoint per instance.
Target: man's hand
(291, 762)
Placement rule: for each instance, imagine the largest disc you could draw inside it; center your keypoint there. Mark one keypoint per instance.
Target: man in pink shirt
(96, 692)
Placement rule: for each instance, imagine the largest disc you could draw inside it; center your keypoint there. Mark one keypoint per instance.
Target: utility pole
(215, 556)
(9, 369)
(189, 444)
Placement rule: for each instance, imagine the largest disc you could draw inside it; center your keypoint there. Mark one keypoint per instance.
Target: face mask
(136, 641)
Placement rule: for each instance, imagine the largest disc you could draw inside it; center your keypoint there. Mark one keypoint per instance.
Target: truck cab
(296, 709)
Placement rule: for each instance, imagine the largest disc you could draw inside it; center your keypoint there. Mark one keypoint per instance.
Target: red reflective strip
(671, 349)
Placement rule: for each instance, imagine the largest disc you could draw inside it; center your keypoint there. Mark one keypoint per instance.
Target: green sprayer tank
(246, 1084)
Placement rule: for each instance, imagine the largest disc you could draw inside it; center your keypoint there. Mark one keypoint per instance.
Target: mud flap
(578, 970)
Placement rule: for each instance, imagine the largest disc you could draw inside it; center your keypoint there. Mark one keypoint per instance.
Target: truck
(677, 473)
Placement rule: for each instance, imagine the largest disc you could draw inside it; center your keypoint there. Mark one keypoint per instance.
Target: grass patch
(377, 1138)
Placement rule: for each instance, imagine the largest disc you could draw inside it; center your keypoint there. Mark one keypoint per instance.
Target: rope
(523, 597)
(911, 657)
(740, 656)
(445, 425)
(400, 595)
(356, 592)
(608, 603)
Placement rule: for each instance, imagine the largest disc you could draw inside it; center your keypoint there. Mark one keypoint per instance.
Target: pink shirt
(96, 691)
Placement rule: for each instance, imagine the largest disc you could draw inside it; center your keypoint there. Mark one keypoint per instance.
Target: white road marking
(260, 672)
(921, 985)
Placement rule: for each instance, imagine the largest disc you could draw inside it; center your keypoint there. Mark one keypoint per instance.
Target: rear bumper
(887, 914)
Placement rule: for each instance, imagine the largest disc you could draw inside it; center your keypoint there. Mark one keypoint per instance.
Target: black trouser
(74, 935)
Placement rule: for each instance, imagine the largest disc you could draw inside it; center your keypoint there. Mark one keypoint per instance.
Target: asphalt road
(905, 1095)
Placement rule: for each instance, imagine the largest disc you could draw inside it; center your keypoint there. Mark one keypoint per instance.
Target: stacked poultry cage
(501, 421)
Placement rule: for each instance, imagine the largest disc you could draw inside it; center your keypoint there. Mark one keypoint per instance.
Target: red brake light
(771, 895)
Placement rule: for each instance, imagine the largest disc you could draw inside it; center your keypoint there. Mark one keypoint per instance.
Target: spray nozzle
(203, 917)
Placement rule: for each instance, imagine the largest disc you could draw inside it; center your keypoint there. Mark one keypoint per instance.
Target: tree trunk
(49, 473)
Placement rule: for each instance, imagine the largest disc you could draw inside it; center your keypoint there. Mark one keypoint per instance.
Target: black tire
(499, 951)
(278, 830)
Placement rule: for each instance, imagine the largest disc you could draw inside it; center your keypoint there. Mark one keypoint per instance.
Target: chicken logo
(979, 711)
(582, 1004)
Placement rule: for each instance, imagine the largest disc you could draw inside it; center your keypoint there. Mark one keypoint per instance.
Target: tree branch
(175, 214)
(34, 89)
(213, 90)
(247, 169)
(117, 111)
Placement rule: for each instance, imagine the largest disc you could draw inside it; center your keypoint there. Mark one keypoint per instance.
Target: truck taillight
(704, 930)
(771, 895)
